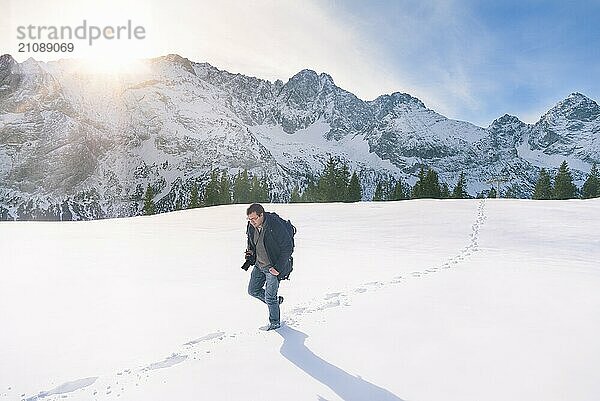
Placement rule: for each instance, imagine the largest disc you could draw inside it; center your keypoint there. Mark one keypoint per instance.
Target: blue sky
(476, 60)
(468, 60)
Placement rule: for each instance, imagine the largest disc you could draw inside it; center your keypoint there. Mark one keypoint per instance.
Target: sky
(468, 60)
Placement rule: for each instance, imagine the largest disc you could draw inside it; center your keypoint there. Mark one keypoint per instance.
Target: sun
(112, 64)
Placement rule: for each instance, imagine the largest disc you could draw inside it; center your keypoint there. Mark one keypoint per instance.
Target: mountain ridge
(65, 138)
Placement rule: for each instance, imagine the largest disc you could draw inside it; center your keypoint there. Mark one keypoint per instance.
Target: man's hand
(248, 255)
(273, 271)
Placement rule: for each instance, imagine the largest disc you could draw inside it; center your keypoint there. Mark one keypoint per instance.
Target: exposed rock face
(75, 145)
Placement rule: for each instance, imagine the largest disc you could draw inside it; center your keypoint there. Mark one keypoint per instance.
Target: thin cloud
(468, 60)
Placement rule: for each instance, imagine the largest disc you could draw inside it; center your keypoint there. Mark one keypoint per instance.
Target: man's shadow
(346, 386)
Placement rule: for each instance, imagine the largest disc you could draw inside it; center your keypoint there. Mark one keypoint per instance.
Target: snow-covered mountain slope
(443, 300)
(81, 145)
(570, 131)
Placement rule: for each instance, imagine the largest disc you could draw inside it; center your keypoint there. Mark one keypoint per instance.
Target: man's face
(255, 219)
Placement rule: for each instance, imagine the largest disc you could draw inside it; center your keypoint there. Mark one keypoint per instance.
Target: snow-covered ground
(414, 300)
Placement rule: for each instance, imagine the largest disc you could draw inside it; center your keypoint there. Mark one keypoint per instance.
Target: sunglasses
(253, 219)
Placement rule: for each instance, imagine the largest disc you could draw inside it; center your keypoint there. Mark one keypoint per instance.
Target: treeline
(562, 186)
(220, 189)
(336, 184)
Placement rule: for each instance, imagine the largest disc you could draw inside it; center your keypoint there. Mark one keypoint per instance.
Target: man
(269, 250)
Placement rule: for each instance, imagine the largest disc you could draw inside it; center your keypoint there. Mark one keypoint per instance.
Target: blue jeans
(262, 277)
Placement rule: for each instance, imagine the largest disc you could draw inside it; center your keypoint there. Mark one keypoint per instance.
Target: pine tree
(265, 190)
(241, 188)
(459, 191)
(253, 180)
(254, 189)
(259, 190)
(591, 187)
(512, 192)
(342, 182)
(354, 190)
(444, 191)
(388, 189)
(543, 186)
(295, 195)
(398, 191)
(563, 183)
(194, 198)
(149, 206)
(492, 193)
(418, 189)
(379, 195)
(431, 187)
(326, 182)
(332, 185)
(211, 191)
(224, 189)
(310, 193)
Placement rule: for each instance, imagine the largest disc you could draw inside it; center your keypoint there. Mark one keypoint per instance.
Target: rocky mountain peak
(405, 98)
(506, 132)
(575, 107)
(305, 74)
(386, 104)
(506, 121)
(31, 66)
(6, 61)
(176, 59)
(7, 64)
(311, 81)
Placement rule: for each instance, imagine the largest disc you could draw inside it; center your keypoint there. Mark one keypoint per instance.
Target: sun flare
(112, 65)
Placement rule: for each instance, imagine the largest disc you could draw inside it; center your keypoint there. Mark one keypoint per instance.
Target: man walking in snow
(269, 249)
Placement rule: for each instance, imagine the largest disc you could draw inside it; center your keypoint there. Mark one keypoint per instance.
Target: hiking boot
(280, 299)
(270, 326)
(274, 326)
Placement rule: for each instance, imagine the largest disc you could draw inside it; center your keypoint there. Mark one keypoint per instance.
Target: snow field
(427, 300)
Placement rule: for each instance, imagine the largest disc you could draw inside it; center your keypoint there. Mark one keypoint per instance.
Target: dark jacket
(277, 243)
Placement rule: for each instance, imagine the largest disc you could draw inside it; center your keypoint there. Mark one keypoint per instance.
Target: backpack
(291, 231)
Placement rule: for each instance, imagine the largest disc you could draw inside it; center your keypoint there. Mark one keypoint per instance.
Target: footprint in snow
(68, 387)
(173, 360)
(331, 304)
(298, 311)
(208, 337)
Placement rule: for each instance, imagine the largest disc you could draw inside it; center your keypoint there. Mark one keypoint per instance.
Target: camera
(250, 260)
(246, 265)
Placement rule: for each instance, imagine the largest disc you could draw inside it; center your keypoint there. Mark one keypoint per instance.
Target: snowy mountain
(81, 145)
(570, 129)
